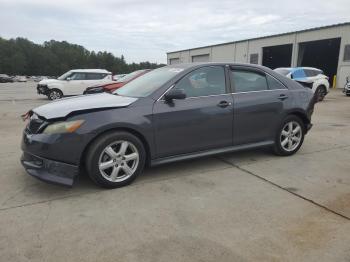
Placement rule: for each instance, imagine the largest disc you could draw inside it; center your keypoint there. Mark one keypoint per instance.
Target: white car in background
(20, 79)
(74, 82)
(309, 77)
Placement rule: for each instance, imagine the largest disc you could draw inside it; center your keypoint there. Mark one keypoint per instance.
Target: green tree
(53, 58)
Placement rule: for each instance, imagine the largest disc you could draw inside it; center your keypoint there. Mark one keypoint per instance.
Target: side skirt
(176, 158)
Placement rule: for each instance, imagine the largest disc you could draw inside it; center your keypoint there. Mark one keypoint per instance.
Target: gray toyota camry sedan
(173, 113)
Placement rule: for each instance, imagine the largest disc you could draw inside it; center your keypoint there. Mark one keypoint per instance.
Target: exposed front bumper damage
(42, 89)
(49, 170)
(52, 158)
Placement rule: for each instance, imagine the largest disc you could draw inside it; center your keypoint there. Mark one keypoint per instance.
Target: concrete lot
(249, 206)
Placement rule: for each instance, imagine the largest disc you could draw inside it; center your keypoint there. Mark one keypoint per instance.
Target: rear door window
(312, 72)
(248, 81)
(309, 73)
(274, 83)
(78, 76)
(95, 76)
(318, 72)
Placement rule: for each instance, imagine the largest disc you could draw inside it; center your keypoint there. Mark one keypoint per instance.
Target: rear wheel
(320, 93)
(55, 94)
(290, 136)
(115, 159)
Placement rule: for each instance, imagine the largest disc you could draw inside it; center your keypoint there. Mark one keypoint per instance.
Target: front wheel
(115, 159)
(290, 136)
(54, 94)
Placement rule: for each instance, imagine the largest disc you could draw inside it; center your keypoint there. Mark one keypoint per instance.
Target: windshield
(148, 83)
(130, 76)
(64, 76)
(282, 71)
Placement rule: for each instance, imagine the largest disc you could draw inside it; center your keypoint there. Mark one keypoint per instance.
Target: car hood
(49, 81)
(66, 106)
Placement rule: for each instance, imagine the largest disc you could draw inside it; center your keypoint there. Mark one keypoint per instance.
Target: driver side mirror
(68, 78)
(174, 94)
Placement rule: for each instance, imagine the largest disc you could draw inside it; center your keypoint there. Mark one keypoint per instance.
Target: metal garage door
(200, 58)
(173, 61)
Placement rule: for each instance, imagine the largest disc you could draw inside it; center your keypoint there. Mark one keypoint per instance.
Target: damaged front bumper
(49, 170)
(52, 158)
(42, 89)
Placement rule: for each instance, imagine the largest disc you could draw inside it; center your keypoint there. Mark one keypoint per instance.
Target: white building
(327, 48)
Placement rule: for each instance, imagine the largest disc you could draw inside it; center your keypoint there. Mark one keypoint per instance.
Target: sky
(145, 30)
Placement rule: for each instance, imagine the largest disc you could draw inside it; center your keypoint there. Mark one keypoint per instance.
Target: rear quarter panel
(302, 99)
(302, 102)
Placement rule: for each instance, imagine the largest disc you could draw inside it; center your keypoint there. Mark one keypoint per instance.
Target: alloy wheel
(291, 136)
(55, 95)
(118, 161)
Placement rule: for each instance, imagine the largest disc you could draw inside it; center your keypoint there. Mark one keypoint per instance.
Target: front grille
(42, 89)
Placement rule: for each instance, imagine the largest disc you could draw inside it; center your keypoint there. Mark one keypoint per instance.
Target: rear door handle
(224, 104)
(282, 97)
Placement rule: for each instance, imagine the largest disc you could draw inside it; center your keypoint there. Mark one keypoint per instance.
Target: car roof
(190, 66)
(300, 67)
(198, 64)
(91, 71)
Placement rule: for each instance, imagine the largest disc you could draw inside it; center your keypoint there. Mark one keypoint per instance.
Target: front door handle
(282, 97)
(224, 104)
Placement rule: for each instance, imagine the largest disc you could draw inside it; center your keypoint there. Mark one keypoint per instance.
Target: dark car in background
(173, 113)
(6, 79)
(112, 86)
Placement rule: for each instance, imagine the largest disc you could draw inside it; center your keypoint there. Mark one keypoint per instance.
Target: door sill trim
(210, 152)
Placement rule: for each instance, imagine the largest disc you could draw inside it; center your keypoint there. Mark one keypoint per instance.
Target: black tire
(278, 148)
(96, 151)
(54, 94)
(320, 93)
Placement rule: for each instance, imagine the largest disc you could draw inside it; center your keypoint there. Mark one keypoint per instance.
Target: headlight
(63, 127)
